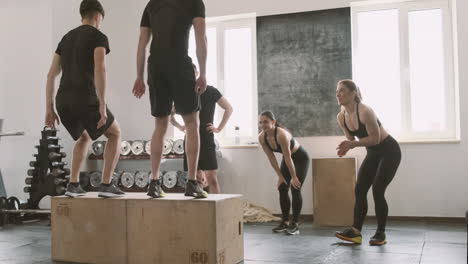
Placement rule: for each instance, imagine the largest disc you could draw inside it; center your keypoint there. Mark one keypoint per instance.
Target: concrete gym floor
(410, 242)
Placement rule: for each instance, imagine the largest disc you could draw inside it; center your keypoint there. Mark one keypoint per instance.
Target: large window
(403, 62)
(232, 68)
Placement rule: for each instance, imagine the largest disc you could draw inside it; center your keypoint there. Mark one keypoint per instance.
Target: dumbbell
(57, 156)
(148, 147)
(29, 189)
(95, 178)
(178, 147)
(52, 147)
(33, 172)
(170, 179)
(97, 148)
(168, 145)
(34, 164)
(53, 140)
(60, 181)
(125, 148)
(57, 164)
(59, 172)
(127, 179)
(182, 179)
(29, 180)
(141, 179)
(137, 147)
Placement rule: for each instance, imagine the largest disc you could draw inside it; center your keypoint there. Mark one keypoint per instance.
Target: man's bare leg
(157, 143)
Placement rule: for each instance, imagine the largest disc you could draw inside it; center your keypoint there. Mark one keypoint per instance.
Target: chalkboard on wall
(301, 57)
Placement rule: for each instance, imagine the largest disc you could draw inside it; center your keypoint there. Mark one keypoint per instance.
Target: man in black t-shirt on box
(171, 78)
(81, 100)
(207, 163)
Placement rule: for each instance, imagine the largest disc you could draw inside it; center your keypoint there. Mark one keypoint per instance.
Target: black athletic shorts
(207, 159)
(77, 117)
(174, 84)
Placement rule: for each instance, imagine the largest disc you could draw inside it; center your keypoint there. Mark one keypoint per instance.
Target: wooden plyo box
(89, 229)
(333, 185)
(183, 230)
(135, 229)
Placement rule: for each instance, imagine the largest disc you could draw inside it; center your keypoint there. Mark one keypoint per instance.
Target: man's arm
(54, 71)
(228, 110)
(145, 38)
(101, 82)
(202, 51)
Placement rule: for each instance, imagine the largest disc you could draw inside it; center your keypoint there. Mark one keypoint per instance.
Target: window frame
(452, 134)
(221, 24)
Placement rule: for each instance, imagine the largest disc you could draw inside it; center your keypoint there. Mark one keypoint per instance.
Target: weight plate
(138, 147)
(142, 179)
(95, 178)
(148, 147)
(168, 145)
(127, 179)
(170, 179)
(125, 148)
(178, 147)
(182, 179)
(98, 148)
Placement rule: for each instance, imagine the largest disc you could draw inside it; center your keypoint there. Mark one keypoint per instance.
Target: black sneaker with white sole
(155, 190)
(283, 226)
(110, 191)
(74, 190)
(293, 229)
(194, 189)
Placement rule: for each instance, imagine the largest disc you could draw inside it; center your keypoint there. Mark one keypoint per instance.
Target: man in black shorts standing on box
(81, 100)
(171, 78)
(208, 163)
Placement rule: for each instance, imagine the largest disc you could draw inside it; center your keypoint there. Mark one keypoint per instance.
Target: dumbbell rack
(176, 189)
(48, 177)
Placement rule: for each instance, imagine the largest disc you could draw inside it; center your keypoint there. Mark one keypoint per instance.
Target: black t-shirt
(76, 50)
(170, 22)
(208, 105)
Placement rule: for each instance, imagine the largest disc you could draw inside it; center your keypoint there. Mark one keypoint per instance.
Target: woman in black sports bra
(378, 168)
(293, 170)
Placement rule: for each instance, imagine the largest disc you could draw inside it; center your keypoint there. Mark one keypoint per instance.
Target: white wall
(431, 181)
(26, 29)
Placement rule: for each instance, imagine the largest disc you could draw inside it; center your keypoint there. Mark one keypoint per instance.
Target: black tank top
(362, 131)
(292, 144)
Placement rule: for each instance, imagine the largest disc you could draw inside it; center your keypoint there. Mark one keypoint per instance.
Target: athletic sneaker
(74, 190)
(109, 191)
(195, 190)
(350, 235)
(378, 239)
(293, 229)
(155, 190)
(283, 226)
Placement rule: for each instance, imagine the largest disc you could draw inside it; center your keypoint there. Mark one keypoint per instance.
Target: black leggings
(301, 161)
(377, 170)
